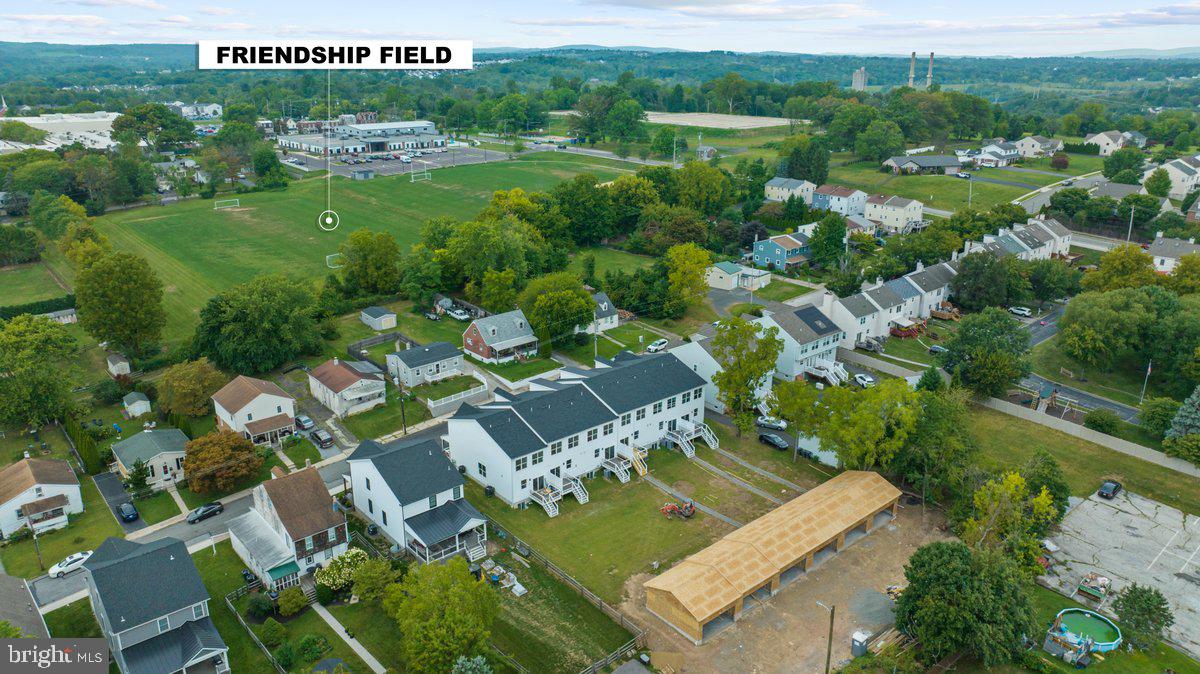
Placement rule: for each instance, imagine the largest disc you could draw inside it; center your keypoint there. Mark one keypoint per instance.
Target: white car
(963, 174)
(656, 346)
(772, 423)
(864, 380)
(458, 314)
(71, 563)
(1021, 311)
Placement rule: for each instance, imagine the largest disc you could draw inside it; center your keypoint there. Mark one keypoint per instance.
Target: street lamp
(829, 643)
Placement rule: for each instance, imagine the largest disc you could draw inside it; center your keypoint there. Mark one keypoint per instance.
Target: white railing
(453, 397)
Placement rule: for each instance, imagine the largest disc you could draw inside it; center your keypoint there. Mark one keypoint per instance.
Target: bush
(285, 655)
(39, 307)
(1060, 161)
(260, 606)
(325, 594)
(1186, 447)
(273, 633)
(339, 573)
(108, 392)
(1156, 415)
(311, 647)
(291, 601)
(1103, 420)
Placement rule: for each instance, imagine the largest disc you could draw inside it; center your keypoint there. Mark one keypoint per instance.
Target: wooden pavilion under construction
(708, 591)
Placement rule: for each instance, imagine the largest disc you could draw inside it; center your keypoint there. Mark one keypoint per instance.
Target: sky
(961, 27)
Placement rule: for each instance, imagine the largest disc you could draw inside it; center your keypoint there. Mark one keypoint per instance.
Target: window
(249, 417)
(179, 463)
(573, 442)
(279, 409)
(657, 408)
(671, 402)
(555, 447)
(537, 458)
(635, 434)
(522, 463)
(697, 393)
(641, 414)
(660, 425)
(308, 543)
(368, 484)
(592, 434)
(567, 465)
(163, 625)
(433, 501)
(596, 454)
(457, 493)
(608, 428)
(151, 467)
(481, 469)
(331, 534)
(198, 611)
(370, 506)
(687, 395)
(625, 419)
(524, 484)
(37, 491)
(384, 513)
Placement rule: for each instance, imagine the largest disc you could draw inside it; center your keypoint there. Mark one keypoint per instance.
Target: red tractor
(683, 512)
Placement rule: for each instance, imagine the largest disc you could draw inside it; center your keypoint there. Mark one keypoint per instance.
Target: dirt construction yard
(1134, 539)
(787, 633)
(711, 120)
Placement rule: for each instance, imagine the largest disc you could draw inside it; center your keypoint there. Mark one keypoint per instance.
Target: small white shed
(118, 364)
(136, 404)
(378, 318)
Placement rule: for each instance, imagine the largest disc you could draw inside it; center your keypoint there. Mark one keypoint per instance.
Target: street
(1034, 204)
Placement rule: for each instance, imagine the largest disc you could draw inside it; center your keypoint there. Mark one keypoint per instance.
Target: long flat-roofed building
(365, 138)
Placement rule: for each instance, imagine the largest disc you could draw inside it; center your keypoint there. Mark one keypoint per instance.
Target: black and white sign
(336, 54)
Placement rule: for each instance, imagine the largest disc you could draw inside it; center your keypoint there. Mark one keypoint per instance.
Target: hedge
(1081, 148)
(39, 307)
(86, 445)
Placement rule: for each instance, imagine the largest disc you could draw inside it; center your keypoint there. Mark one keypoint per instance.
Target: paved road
(1094, 241)
(1039, 333)
(1035, 203)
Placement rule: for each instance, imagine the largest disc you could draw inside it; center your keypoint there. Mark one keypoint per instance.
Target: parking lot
(453, 156)
(1134, 539)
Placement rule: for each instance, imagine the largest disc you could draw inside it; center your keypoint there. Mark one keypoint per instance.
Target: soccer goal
(422, 174)
(226, 203)
(334, 261)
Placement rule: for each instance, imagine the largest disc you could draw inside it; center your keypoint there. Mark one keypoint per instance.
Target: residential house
(19, 609)
(698, 354)
(414, 494)
(346, 387)
(1033, 240)
(153, 609)
(136, 404)
(900, 302)
(781, 251)
(118, 365)
(1167, 251)
(255, 409)
(293, 526)
(1119, 191)
(1135, 139)
(1193, 213)
(1034, 146)
(537, 445)
(924, 163)
(999, 153)
(38, 493)
(162, 450)
(604, 316)
(896, 215)
(500, 338)
(423, 364)
(1184, 173)
(378, 318)
(838, 199)
(1108, 141)
(810, 340)
(732, 276)
(780, 189)
(933, 284)
(862, 224)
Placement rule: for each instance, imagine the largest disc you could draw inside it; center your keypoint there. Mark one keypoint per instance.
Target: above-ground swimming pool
(1077, 624)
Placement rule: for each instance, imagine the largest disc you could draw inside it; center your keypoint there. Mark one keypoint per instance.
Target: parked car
(323, 438)
(1021, 311)
(432, 315)
(1109, 489)
(774, 441)
(69, 563)
(963, 174)
(656, 346)
(1068, 182)
(305, 423)
(937, 348)
(459, 315)
(772, 423)
(205, 511)
(864, 380)
(127, 512)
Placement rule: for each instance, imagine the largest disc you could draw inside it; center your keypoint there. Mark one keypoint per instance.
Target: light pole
(829, 642)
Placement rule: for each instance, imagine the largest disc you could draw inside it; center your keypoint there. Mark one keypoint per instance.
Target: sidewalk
(376, 666)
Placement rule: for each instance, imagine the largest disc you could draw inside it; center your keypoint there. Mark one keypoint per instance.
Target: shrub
(1144, 614)
(1103, 420)
(260, 606)
(311, 647)
(291, 601)
(273, 633)
(325, 594)
(1186, 447)
(1060, 161)
(339, 573)
(285, 655)
(108, 392)
(1156, 415)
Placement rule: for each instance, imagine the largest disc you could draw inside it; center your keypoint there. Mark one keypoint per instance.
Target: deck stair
(708, 436)
(637, 458)
(685, 444)
(619, 466)
(548, 498)
(477, 552)
(575, 486)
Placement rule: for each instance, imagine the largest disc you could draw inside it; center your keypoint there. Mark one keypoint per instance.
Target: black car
(127, 512)
(1109, 489)
(247, 575)
(205, 511)
(773, 440)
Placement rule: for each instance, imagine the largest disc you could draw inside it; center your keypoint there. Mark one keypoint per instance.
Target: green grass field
(445, 387)
(387, 418)
(938, 191)
(15, 442)
(157, 508)
(1122, 384)
(73, 620)
(609, 259)
(778, 291)
(27, 283)
(516, 371)
(302, 451)
(634, 336)
(1078, 164)
(86, 531)
(198, 252)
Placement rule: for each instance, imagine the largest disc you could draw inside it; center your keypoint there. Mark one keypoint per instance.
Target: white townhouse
(1034, 240)
(37, 493)
(347, 388)
(698, 354)
(780, 189)
(896, 215)
(1108, 141)
(932, 284)
(1034, 146)
(414, 494)
(535, 446)
(899, 303)
(1184, 173)
(256, 409)
(839, 199)
(1166, 252)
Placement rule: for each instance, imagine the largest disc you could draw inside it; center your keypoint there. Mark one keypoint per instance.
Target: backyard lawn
(302, 451)
(699, 484)
(1077, 164)
(387, 418)
(802, 472)
(446, 387)
(609, 259)
(696, 316)
(779, 291)
(938, 191)
(157, 508)
(28, 283)
(585, 353)
(516, 370)
(73, 620)
(86, 531)
(634, 336)
(1006, 442)
(308, 622)
(194, 500)
(15, 442)
(1123, 384)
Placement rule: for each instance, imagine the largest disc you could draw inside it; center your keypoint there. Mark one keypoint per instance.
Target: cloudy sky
(1014, 27)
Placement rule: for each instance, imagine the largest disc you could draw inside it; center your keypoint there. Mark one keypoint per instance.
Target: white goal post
(226, 203)
(422, 174)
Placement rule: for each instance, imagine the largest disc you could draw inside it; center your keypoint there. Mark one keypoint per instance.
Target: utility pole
(1149, 367)
(970, 191)
(829, 642)
(1129, 234)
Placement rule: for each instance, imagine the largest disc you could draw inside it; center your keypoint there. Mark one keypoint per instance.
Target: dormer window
(164, 625)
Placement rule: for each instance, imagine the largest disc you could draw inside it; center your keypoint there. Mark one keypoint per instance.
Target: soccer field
(198, 252)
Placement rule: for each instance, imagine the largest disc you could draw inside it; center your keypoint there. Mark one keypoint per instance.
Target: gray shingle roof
(18, 608)
(604, 306)
(858, 305)
(508, 327)
(140, 582)
(1165, 246)
(786, 183)
(903, 288)
(413, 469)
(932, 278)
(1055, 227)
(554, 415)
(378, 312)
(149, 444)
(134, 397)
(815, 322)
(1117, 191)
(444, 521)
(505, 427)
(927, 160)
(419, 356)
(637, 381)
(1009, 242)
(884, 297)
(170, 651)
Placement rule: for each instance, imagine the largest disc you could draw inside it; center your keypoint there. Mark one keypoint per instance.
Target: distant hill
(576, 47)
(1177, 53)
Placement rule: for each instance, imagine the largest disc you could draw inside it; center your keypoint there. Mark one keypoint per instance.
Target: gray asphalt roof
(149, 444)
(637, 381)
(1028, 238)
(902, 287)
(1116, 190)
(18, 608)
(858, 305)
(134, 397)
(140, 582)
(816, 320)
(1165, 246)
(506, 429)
(1009, 242)
(170, 651)
(444, 521)
(786, 183)
(1055, 227)
(554, 415)
(413, 469)
(884, 297)
(604, 306)
(927, 160)
(508, 327)
(419, 356)
(378, 312)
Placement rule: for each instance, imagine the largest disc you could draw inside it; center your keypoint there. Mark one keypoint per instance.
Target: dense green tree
(828, 241)
(240, 112)
(880, 140)
(34, 386)
(155, 124)
(686, 266)
(1158, 183)
(984, 280)
(1187, 418)
(258, 325)
(1144, 614)
(868, 427)
(18, 245)
(119, 300)
(1125, 266)
(703, 188)
(1042, 471)
(938, 455)
(498, 292)
(1157, 413)
(1009, 518)
(587, 207)
(556, 304)
(661, 226)
(809, 160)
(186, 388)
(630, 196)
(371, 263)
(746, 355)
(1124, 159)
(988, 352)
(1051, 279)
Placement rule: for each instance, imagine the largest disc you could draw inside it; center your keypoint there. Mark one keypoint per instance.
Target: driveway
(114, 495)
(1039, 333)
(47, 590)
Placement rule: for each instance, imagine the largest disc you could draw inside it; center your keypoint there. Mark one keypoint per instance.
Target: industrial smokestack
(912, 69)
(929, 76)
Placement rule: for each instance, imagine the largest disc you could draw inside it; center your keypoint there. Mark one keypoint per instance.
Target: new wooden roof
(709, 581)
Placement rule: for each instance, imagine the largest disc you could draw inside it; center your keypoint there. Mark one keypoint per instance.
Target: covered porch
(193, 648)
(507, 351)
(46, 514)
(270, 430)
(447, 530)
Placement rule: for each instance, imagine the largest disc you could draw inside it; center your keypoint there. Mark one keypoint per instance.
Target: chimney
(920, 266)
(912, 69)
(1158, 234)
(336, 361)
(929, 76)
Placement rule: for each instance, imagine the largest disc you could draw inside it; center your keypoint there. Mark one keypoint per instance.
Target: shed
(362, 174)
(118, 364)
(136, 404)
(707, 591)
(378, 318)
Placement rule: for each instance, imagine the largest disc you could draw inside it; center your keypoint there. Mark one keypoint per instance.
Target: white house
(810, 341)
(730, 276)
(896, 215)
(40, 493)
(292, 526)
(1184, 173)
(118, 364)
(1108, 141)
(839, 199)
(698, 354)
(998, 153)
(136, 404)
(378, 318)
(538, 445)
(1037, 146)
(1166, 252)
(414, 494)
(1036, 239)
(256, 409)
(422, 364)
(604, 317)
(780, 189)
(347, 388)
(162, 450)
